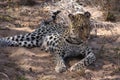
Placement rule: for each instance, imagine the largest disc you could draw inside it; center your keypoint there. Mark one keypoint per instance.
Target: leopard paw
(60, 69)
(76, 68)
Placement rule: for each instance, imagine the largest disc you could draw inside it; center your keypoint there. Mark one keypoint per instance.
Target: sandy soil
(34, 64)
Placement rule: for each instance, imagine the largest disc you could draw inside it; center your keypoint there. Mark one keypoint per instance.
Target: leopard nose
(87, 37)
(73, 36)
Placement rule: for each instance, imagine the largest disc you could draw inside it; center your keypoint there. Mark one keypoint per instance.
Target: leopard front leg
(89, 59)
(60, 64)
(52, 42)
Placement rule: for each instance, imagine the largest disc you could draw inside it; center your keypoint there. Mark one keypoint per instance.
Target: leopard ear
(56, 12)
(87, 14)
(71, 16)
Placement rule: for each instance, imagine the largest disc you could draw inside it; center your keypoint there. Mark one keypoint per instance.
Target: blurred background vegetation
(111, 7)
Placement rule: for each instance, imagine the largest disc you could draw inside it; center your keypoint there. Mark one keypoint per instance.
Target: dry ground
(34, 64)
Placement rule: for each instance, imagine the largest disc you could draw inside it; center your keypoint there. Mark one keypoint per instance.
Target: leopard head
(79, 29)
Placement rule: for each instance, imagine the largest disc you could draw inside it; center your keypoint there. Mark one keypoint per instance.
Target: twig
(5, 75)
(5, 28)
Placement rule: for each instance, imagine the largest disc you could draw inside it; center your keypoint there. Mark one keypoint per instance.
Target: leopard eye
(82, 28)
(71, 16)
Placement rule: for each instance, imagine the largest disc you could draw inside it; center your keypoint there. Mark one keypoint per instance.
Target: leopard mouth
(74, 40)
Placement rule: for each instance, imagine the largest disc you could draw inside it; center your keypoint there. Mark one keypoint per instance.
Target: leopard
(60, 40)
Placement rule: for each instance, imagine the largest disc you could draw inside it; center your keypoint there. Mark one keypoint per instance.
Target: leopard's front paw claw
(59, 69)
(73, 68)
(76, 68)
